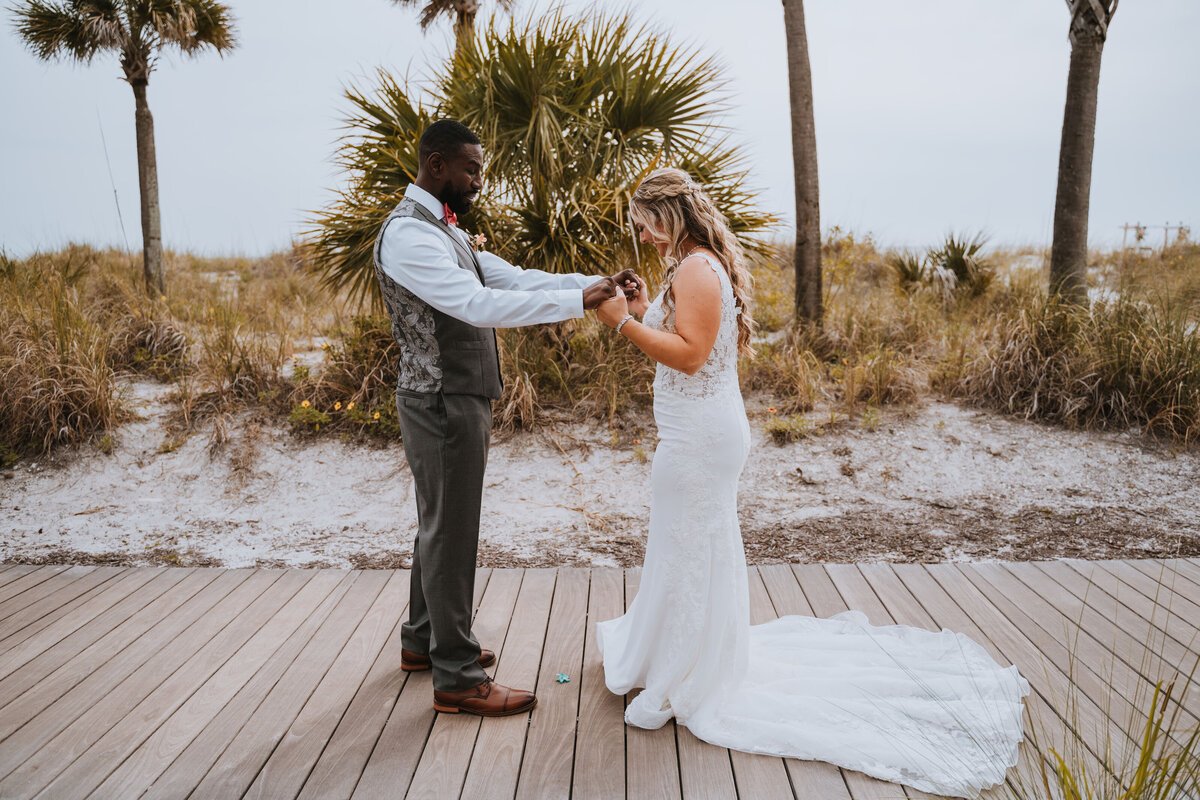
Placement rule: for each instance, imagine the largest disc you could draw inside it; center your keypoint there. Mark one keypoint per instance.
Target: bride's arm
(697, 318)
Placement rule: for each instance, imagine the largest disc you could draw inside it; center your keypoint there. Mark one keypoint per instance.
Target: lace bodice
(719, 373)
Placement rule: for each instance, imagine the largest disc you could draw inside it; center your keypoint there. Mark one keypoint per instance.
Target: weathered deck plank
(496, 759)
(61, 615)
(550, 746)
(652, 757)
(252, 683)
(443, 765)
(392, 762)
(600, 737)
(212, 673)
(191, 766)
(26, 662)
(65, 724)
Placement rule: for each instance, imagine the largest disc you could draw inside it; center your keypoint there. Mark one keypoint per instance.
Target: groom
(445, 300)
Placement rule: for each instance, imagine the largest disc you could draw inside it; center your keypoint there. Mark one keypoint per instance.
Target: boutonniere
(478, 241)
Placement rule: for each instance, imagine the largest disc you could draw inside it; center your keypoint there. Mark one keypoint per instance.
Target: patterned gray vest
(437, 351)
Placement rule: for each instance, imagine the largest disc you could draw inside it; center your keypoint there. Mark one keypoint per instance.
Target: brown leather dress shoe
(415, 662)
(488, 699)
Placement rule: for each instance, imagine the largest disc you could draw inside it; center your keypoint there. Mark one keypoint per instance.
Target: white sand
(578, 493)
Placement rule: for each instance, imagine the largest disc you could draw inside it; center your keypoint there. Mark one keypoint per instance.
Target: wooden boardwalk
(214, 683)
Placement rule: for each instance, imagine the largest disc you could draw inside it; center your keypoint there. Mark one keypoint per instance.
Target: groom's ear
(436, 164)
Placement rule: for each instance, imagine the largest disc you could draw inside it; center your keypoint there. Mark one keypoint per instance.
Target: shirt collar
(426, 199)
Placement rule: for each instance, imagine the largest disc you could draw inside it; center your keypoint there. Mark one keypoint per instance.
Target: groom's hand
(630, 283)
(598, 292)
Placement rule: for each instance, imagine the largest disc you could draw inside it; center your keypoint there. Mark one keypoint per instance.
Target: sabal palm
(809, 300)
(136, 30)
(463, 12)
(572, 114)
(1068, 254)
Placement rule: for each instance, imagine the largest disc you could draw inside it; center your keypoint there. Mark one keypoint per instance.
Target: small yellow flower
(318, 427)
(350, 405)
(325, 345)
(212, 310)
(376, 415)
(337, 406)
(163, 298)
(305, 404)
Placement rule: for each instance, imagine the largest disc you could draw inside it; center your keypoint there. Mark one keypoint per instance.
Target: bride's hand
(634, 287)
(613, 310)
(641, 304)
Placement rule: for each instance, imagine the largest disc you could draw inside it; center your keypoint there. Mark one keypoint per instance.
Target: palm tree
(1068, 254)
(138, 30)
(572, 114)
(463, 13)
(804, 164)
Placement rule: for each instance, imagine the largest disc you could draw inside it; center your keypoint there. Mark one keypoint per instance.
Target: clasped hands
(614, 297)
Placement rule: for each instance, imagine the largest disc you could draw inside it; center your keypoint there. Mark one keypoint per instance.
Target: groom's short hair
(444, 136)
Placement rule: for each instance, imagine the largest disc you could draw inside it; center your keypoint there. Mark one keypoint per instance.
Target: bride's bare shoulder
(696, 274)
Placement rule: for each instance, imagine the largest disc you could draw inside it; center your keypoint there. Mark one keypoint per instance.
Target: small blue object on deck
(561, 678)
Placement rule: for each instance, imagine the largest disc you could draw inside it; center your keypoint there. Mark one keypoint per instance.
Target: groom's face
(463, 177)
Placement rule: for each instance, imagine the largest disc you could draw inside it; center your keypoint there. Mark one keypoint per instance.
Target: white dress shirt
(422, 259)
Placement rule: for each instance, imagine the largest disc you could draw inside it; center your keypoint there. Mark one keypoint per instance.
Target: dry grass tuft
(1114, 365)
(57, 385)
(75, 324)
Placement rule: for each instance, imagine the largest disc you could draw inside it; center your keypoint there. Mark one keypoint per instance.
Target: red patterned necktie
(451, 217)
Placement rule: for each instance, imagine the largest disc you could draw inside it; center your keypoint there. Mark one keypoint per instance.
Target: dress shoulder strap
(712, 262)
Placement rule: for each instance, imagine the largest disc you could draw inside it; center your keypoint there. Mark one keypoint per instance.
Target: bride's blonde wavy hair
(671, 205)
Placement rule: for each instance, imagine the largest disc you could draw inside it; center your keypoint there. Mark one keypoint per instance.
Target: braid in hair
(669, 201)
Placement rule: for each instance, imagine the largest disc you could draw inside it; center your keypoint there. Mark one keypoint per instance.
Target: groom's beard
(460, 203)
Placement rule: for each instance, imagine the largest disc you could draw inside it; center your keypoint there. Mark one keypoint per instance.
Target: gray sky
(932, 115)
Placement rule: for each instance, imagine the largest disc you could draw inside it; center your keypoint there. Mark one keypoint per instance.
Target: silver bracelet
(621, 324)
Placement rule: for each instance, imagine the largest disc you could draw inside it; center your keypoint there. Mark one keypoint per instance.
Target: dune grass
(75, 326)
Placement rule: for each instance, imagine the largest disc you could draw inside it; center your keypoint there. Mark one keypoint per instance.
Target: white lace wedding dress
(931, 710)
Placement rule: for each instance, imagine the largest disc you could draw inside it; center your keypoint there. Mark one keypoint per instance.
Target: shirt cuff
(571, 302)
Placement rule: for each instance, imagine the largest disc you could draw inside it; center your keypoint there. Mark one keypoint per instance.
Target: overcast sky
(931, 115)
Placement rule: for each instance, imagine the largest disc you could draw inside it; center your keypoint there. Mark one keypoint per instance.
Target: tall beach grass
(75, 327)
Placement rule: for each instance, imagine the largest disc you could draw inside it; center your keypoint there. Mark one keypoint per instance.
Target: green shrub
(962, 257)
(354, 389)
(909, 269)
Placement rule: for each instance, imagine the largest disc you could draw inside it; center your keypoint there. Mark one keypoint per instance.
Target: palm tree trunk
(464, 24)
(1068, 253)
(804, 161)
(152, 255)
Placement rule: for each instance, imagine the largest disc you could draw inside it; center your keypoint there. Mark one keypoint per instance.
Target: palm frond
(212, 26)
(382, 154)
(431, 10)
(77, 30)
(80, 29)
(189, 25)
(573, 113)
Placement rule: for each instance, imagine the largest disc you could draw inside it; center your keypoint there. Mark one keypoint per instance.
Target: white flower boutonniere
(478, 241)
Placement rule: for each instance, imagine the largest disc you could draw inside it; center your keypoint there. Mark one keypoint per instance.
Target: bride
(931, 710)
